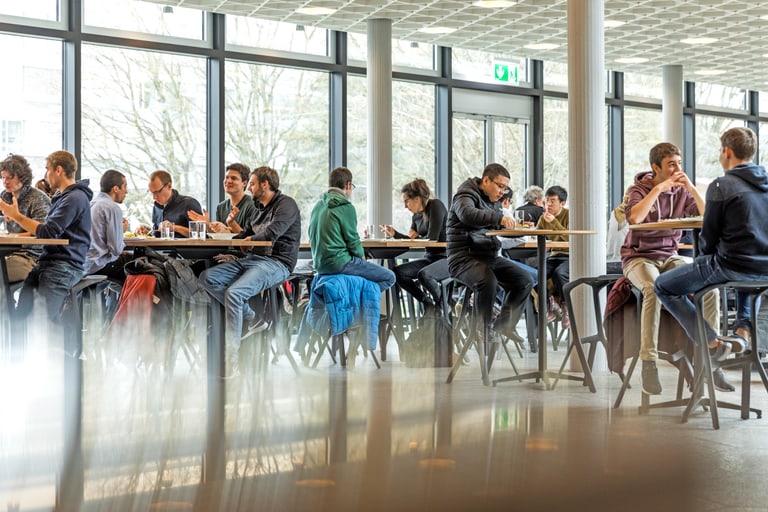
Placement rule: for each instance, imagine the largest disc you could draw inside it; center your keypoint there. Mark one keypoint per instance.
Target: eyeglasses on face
(156, 192)
(503, 188)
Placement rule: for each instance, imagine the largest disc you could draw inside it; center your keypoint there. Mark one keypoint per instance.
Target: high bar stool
(86, 287)
(746, 361)
(596, 284)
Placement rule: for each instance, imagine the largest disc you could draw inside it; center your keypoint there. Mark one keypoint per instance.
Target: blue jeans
(384, 277)
(674, 286)
(53, 279)
(234, 282)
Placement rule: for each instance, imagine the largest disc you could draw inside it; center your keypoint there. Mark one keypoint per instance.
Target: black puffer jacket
(471, 215)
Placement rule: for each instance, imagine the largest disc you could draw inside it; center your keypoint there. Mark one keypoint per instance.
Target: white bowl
(221, 236)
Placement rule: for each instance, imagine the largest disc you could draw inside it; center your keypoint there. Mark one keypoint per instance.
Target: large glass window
(275, 35)
(30, 99)
(145, 17)
(279, 117)
(642, 131)
(708, 132)
(144, 111)
(357, 143)
(38, 9)
(468, 148)
(555, 75)
(409, 54)
(720, 96)
(643, 85)
(555, 142)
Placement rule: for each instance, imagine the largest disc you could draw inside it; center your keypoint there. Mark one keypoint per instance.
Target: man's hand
(11, 211)
(125, 225)
(548, 216)
(225, 257)
(194, 216)
(508, 222)
(218, 227)
(232, 214)
(143, 230)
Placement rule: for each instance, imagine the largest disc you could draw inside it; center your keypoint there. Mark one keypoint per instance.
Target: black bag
(418, 351)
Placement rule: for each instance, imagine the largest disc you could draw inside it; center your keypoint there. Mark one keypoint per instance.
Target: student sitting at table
(333, 238)
(663, 192)
(17, 181)
(234, 212)
(421, 277)
(169, 206)
(105, 255)
(237, 279)
(60, 267)
(555, 217)
(473, 257)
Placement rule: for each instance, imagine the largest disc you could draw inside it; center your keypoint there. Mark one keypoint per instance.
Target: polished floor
(150, 435)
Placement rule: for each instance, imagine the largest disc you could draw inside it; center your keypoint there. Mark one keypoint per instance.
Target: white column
(672, 105)
(587, 176)
(379, 121)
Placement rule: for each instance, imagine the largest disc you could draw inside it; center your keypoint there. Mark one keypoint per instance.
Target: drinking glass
(3, 227)
(519, 218)
(166, 230)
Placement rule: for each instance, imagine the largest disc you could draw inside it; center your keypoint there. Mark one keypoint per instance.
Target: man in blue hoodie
(733, 244)
(60, 267)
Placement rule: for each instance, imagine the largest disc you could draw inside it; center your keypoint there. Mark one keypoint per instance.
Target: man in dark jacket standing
(235, 280)
(60, 267)
(733, 244)
(474, 258)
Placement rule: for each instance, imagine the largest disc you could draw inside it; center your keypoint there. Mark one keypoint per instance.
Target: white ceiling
(653, 29)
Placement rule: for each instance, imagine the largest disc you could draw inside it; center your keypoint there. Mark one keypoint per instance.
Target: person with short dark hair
(234, 282)
(421, 277)
(555, 217)
(663, 192)
(234, 212)
(333, 237)
(16, 175)
(169, 206)
(105, 255)
(473, 257)
(60, 267)
(733, 244)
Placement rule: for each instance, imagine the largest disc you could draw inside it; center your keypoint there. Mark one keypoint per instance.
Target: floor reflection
(355, 439)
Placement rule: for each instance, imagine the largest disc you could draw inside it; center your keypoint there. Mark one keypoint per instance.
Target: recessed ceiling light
(315, 11)
(437, 30)
(764, 17)
(493, 4)
(631, 60)
(613, 23)
(699, 40)
(541, 46)
(709, 72)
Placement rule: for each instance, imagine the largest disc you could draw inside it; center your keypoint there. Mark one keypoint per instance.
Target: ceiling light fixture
(699, 40)
(494, 4)
(315, 11)
(414, 44)
(613, 23)
(437, 30)
(299, 28)
(710, 72)
(167, 9)
(631, 60)
(541, 46)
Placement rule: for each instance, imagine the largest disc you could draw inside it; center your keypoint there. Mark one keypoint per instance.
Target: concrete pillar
(587, 176)
(379, 78)
(672, 105)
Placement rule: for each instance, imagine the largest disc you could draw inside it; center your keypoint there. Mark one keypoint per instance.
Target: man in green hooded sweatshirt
(336, 246)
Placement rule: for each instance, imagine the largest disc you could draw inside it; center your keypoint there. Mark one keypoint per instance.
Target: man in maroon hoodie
(664, 192)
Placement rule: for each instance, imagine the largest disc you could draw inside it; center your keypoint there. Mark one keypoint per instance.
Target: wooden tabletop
(31, 240)
(189, 242)
(397, 243)
(537, 232)
(692, 223)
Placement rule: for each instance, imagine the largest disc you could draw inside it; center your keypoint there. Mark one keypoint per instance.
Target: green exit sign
(506, 72)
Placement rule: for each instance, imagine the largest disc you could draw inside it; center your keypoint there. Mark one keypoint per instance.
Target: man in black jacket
(474, 258)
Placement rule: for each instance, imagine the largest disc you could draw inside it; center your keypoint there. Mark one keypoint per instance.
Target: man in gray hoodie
(664, 192)
(733, 244)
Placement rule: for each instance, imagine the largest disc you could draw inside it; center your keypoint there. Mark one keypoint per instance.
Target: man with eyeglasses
(473, 257)
(555, 217)
(169, 206)
(16, 174)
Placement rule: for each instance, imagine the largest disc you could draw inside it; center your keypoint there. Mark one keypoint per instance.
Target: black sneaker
(720, 383)
(650, 378)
